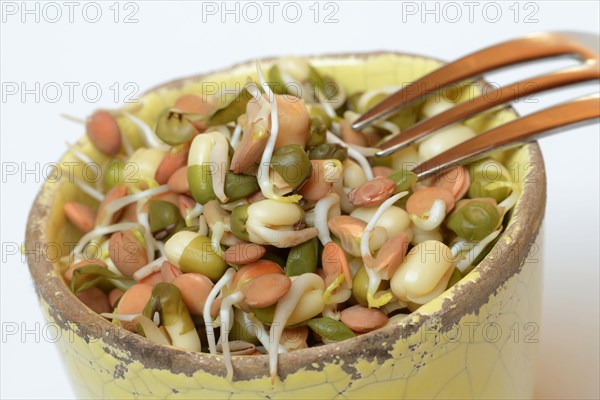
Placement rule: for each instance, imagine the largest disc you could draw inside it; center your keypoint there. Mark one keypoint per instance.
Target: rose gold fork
(582, 46)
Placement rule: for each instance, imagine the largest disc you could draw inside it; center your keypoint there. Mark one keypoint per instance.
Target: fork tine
(528, 48)
(578, 74)
(519, 131)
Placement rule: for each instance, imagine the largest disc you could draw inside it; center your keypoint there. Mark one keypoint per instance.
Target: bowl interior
(48, 228)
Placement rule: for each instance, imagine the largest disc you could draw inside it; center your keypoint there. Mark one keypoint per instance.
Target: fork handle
(516, 51)
(519, 131)
(586, 72)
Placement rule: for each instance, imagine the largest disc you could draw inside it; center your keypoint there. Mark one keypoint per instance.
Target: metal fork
(585, 110)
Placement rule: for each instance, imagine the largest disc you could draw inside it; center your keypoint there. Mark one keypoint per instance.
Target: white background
(171, 40)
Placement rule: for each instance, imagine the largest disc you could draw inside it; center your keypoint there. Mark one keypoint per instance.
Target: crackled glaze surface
(477, 340)
(489, 355)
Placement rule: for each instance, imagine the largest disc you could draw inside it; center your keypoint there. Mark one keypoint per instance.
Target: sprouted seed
(269, 216)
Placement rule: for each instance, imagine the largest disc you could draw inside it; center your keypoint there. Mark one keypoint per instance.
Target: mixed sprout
(265, 224)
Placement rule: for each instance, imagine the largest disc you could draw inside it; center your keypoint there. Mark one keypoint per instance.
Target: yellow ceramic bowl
(475, 340)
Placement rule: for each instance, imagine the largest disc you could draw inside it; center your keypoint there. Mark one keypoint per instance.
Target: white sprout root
(237, 134)
(326, 208)
(218, 158)
(476, 250)
(149, 268)
(106, 258)
(73, 118)
(354, 154)
(202, 226)
(218, 230)
(150, 138)
(266, 186)
(326, 106)
(271, 222)
(283, 311)
(330, 311)
(116, 205)
(150, 327)
(81, 156)
(394, 306)
(257, 328)
(120, 317)
(375, 277)
(193, 213)
(345, 204)
(431, 219)
(208, 322)
(392, 128)
(100, 231)
(161, 248)
(460, 246)
(126, 145)
(88, 189)
(511, 200)
(260, 234)
(143, 219)
(226, 314)
(367, 96)
(188, 340)
(151, 330)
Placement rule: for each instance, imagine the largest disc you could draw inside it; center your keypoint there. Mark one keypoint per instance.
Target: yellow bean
(354, 175)
(272, 222)
(405, 159)
(146, 161)
(424, 273)
(360, 286)
(436, 105)
(443, 139)
(395, 220)
(420, 236)
(309, 305)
